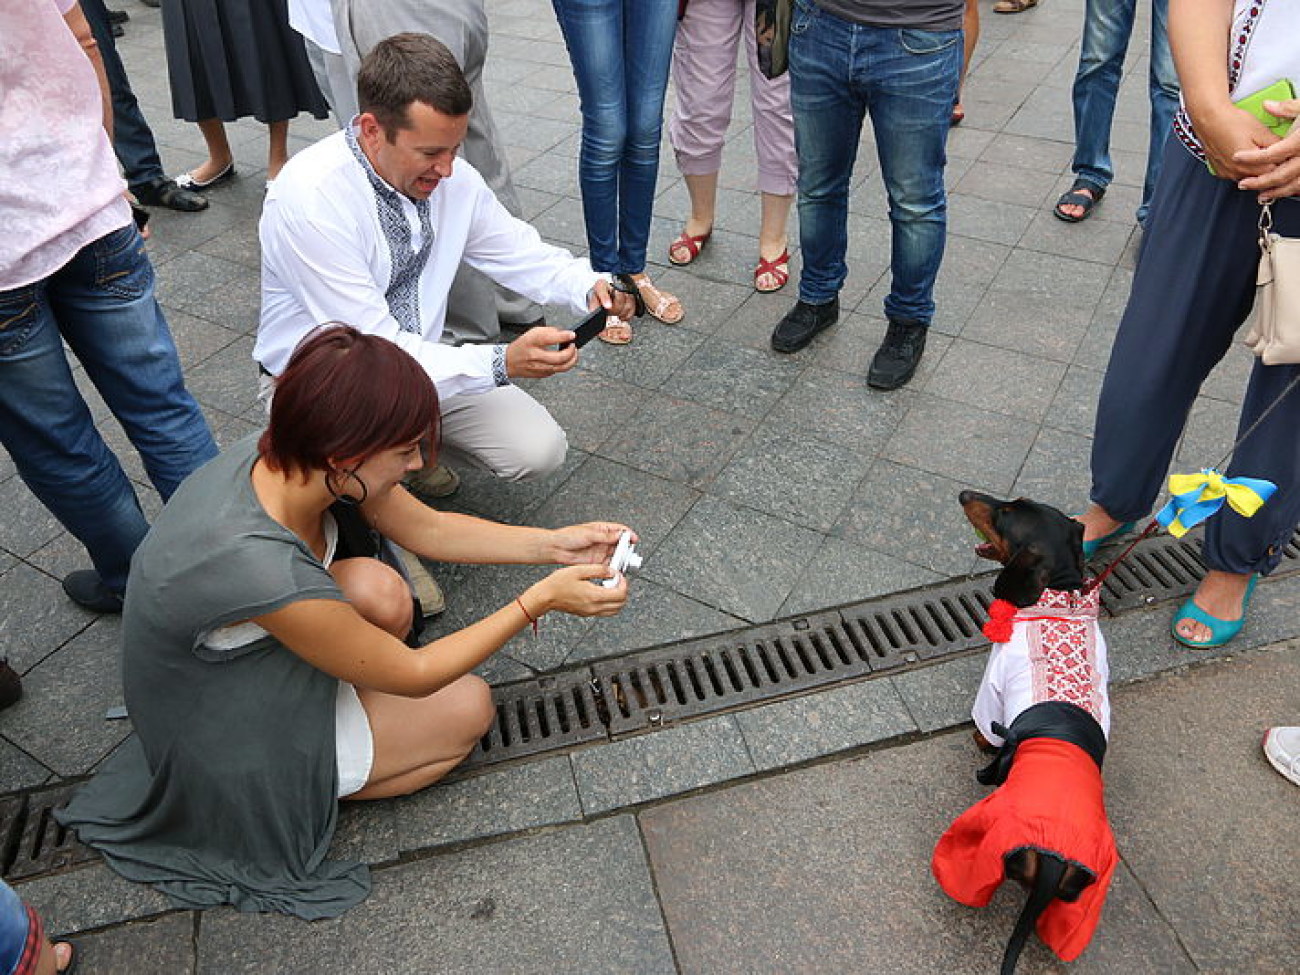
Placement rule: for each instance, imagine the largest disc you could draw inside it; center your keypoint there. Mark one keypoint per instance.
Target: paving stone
(820, 724)
(196, 338)
(510, 800)
(885, 517)
(941, 696)
(587, 405)
(1185, 756)
(679, 440)
(607, 491)
(227, 380)
(161, 947)
(839, 407)
(18, 770)
(1041, 155)
(474, 592)
(653, 615)
(36, 618)
(1024, 384)
(1039, 326)
(988, 447)
(1075, 407)
(28, 524)
(483, 493)
(571, 901)
(89, 896)
(1056, 470)
(367, 831)
(990, 220)
(1007, 184)
(834, 864)
(968, 267)
(718, 555)
(845, 572)
(739, 380)
(1208, 436)
(663, 763)
(60, 719)
(655, 353)
(804, 481)
(1102, 241)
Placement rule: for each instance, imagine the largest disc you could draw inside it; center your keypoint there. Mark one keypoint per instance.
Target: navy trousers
(1194, 287)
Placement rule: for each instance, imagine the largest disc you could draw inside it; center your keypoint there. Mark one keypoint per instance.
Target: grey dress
(226, 792)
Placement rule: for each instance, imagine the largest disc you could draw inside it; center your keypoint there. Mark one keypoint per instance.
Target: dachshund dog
(1043, 709)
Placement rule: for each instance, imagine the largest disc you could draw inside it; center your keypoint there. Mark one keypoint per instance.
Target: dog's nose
(965, 497)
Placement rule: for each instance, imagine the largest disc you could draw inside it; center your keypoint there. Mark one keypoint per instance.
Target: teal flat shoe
(1091, 548)
(1221, 631)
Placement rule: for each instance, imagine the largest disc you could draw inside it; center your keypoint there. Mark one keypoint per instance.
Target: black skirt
(230, 59)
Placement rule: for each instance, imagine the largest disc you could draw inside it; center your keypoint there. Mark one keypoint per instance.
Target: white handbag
(1275, 336)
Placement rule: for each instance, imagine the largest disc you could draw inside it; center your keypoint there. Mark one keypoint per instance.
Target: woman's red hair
(344, 397)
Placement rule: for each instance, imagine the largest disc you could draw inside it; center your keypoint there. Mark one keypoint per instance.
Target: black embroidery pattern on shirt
(403, 291)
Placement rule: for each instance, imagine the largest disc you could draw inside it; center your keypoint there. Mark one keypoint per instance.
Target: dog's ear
(1023, 579)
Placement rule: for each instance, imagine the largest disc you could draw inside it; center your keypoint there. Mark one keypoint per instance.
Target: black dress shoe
(802, 322)
(85, 588)
(163, 192)
(897, 358)
(118, 16)
(116, 30)
(11, 687)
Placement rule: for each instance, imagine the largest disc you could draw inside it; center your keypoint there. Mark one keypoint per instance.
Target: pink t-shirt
(59, 184)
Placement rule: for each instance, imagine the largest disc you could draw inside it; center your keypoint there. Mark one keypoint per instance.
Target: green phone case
(1276, 92)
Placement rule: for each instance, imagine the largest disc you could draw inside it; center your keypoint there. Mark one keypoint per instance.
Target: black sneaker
(164, 192)
(802, 322)
(85, 588)
(11, 687)
(899, 354)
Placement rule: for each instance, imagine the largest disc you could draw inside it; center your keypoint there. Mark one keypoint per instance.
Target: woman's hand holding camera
(573, 590)
(593, 541)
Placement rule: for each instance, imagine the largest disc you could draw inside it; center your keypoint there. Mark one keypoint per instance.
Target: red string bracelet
(531, 618)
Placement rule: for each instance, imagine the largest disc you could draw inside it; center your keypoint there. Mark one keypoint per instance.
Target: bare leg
(1097, 523)
(771, 233)
(416, 740)
(219, 154)
(1220, 594)
(419, 740)
(278, 153)
(704, 201)
(970, 25)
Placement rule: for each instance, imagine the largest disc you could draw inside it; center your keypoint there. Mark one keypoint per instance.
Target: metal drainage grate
(541, 715)
(662, 685)
(33, 843)
(1165, 567)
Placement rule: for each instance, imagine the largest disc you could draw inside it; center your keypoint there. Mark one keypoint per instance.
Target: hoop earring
(338, 495)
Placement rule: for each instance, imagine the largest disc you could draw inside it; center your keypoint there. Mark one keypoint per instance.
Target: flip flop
(1076, 197)
(1094, 545)
(958, 115)
(1221, 631)
(691, 244)
(778, 267)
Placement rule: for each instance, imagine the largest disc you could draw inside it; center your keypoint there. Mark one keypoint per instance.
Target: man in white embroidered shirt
(368, 226)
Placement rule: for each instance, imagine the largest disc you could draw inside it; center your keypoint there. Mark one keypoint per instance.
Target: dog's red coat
(1053, 799)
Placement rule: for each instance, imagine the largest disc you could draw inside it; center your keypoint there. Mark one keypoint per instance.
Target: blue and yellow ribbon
(1197, 496)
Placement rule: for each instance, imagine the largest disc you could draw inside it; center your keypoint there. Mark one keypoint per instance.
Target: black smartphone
(588, 328)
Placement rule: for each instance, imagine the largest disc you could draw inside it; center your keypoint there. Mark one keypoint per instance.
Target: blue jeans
(133, 140)
(907, 79)
(621, 51)
(1107, 27)
(102, 304)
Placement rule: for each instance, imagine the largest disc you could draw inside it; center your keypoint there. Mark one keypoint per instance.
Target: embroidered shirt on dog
(1056, 653)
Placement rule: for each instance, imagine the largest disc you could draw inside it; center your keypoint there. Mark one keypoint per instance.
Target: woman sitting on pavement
(264, 666)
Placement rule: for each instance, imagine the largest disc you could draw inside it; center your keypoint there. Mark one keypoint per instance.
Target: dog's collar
(1053, 604)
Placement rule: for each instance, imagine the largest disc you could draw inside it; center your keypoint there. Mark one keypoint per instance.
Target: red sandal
(691, 244)
(778, 267)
